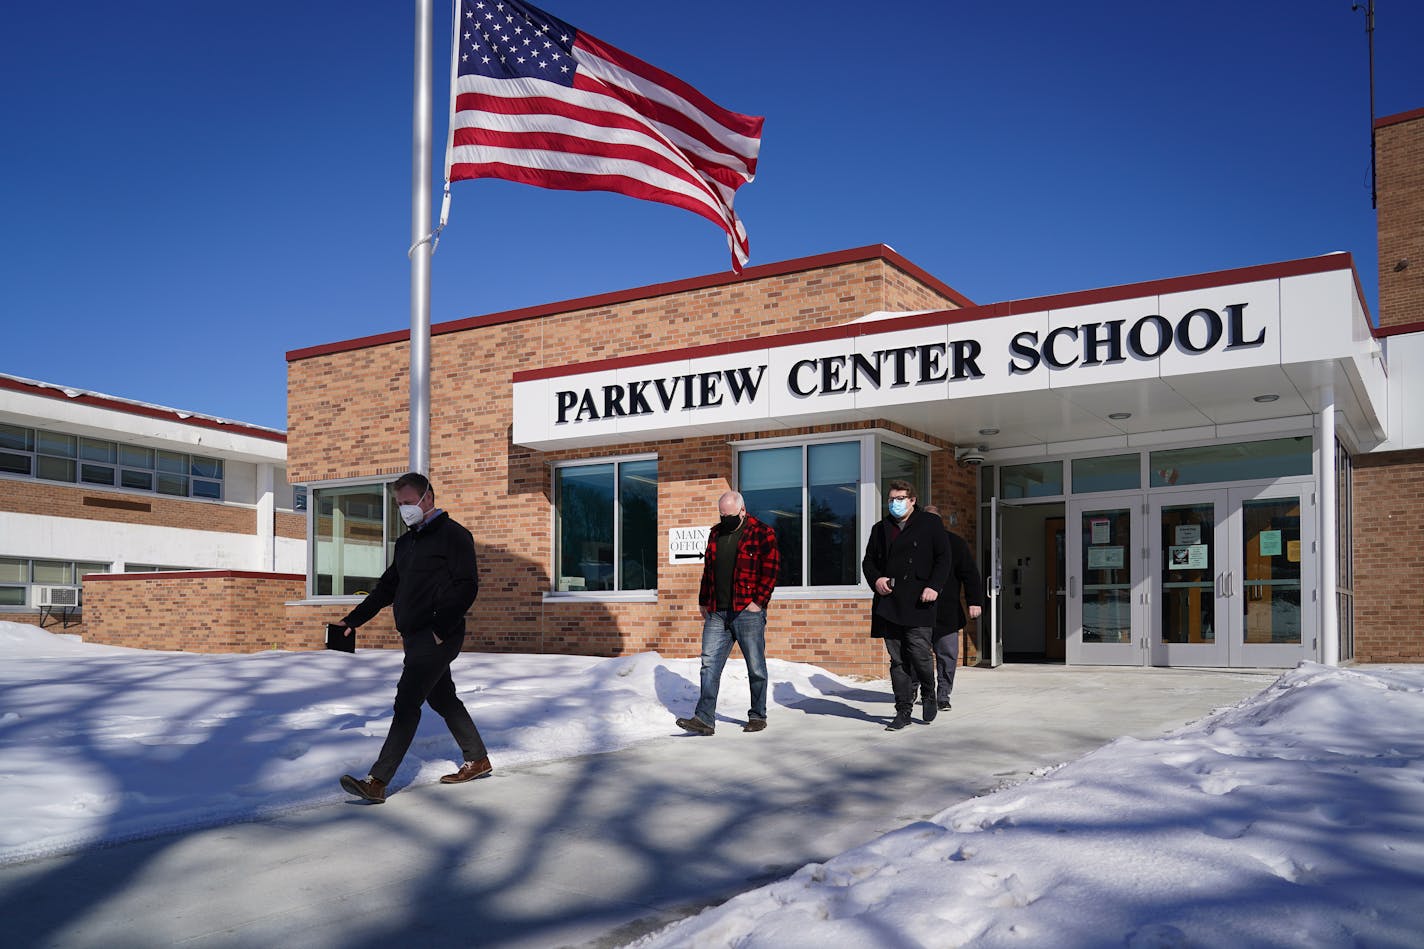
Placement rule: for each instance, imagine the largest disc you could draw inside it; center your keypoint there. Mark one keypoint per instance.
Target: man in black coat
(907, 564)
(949, 615)
(432, 580)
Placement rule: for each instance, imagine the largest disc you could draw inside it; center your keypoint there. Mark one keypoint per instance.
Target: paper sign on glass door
(1270, 543)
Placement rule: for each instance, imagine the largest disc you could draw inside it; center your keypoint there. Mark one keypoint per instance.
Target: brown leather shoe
(469, 771)
(755, 725)
(369, 789)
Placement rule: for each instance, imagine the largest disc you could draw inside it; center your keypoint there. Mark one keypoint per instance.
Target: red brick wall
(87, 503)
(290, 525)
(206, 611)
(1399, 170)
(1389, 556)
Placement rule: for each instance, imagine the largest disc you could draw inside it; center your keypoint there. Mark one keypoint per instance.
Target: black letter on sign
(1048, 354)
(567, 400)
(965, 352)
(831, 380)
(1164, 337)
(1025, 345)
(1092, 343)
(710, 395)
(740, 381)
(1236, 338)
(793, 380)
(1213, 333)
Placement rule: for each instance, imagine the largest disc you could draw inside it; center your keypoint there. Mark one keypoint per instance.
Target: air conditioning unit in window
(57, 596)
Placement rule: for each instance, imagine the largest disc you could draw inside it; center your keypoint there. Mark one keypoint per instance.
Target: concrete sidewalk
(601, 849)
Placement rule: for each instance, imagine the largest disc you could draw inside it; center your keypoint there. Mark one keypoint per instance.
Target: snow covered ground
(1296, 818)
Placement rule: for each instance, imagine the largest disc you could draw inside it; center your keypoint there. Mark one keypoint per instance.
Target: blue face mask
(899, 507)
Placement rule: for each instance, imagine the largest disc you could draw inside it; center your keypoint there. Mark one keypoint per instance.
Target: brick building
(94, 484)
(1222, 469)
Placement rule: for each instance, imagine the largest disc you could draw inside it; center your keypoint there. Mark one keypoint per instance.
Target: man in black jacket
(949, 616)
(432, 580)
(907, 563)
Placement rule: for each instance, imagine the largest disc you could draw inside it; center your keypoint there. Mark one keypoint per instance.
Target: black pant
(911, 662)
(426, 679)
(946, 650)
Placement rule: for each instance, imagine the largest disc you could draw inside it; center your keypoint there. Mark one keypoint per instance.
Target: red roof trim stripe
(148, 411)
(196, 575)
(1400, 330)
(1289, 268)
(1399, 117)
(761, 272)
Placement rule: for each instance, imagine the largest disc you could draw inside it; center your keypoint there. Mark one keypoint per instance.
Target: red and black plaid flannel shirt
(758, 563)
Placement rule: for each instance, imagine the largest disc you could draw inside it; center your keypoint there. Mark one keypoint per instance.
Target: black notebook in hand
(340, 637)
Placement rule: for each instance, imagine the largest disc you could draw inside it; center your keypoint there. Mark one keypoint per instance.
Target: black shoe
(944, 706)
(900, 720)
(755, 725)
(928, 711)
(695, 725)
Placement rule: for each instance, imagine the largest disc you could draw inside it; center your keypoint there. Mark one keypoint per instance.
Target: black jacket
(963, 574)
(432, 580)
(916, 559)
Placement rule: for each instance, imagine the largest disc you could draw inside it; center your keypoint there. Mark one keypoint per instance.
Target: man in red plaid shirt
(739, 573)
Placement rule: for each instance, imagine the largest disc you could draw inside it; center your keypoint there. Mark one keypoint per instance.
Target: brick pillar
(1399, 182)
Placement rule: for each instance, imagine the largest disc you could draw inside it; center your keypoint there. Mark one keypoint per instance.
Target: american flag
(534, 100)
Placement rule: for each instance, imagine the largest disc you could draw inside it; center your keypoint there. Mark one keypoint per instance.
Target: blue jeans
(748, 628)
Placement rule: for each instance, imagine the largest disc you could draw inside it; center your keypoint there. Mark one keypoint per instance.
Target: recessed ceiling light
(1266, 398)
(988, 431)
(1119, 416)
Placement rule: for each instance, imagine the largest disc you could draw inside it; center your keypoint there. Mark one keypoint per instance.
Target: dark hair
(414, 480)
(899, 485)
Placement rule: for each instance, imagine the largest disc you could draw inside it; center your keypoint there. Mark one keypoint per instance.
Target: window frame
(616, 594)
(27, 585)
(117, 466)
(314, 510)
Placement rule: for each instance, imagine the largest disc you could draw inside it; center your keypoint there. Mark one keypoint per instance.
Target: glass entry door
(1271, 582)
(1189, 549)
(1106, 592)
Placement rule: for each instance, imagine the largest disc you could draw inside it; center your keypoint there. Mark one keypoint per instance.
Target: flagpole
(421, 248)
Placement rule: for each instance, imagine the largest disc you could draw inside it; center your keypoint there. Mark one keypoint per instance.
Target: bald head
(731, 503)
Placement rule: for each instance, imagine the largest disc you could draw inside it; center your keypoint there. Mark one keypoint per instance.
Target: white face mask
(411, 513)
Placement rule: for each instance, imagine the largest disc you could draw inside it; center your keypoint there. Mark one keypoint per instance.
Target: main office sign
(862, 370)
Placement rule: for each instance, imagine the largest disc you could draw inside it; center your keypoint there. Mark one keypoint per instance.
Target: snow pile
(1294, 819)
(104, 743)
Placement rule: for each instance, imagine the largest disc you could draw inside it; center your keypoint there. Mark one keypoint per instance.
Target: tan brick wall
(198, 613)
(291, 525)
(52, 623)
(89, 504)
(1399, 170)
(1389, 557)
(347, 418)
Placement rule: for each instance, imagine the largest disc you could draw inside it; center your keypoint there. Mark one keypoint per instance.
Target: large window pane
(82, 569)
(638, 508)
(173, 484)
(583, 559)
(132, 456)
(1109, 473)
(17, 438)
(12, 596)
(201, 467)
(50, 443)
(833, 474)
(54, 572)
(349, 537)
(139, 480)
(770, 480)
(11, 463)
(96, 474)
(173, 462)
(207, 489)
(1244, 461)
(54, 469)
(1038, 480)
(14, 570)
(92, 449)
(1271, 587)
(901, 464)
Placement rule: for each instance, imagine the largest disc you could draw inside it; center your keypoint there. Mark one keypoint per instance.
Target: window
(898, 463)
(606, 534)
(354, 528)
(19, 574)
(54, 456)
(1038, 480)
(809, 494)
(1109, 473)
(1244, 461)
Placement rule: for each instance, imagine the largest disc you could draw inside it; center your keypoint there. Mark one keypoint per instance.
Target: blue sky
(189, 190)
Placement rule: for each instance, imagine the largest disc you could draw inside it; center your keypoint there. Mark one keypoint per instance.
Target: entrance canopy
(1188, 353)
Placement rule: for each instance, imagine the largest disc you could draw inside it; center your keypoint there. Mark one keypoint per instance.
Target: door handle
(1072, 585)
(1231, 583)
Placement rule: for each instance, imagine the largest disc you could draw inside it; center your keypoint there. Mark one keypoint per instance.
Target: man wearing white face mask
(432, 580)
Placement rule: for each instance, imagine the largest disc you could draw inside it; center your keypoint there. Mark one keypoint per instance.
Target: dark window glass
(96, 474)
(1109, 473)
(584, 501)
(1243, 461)
(206, 467)
(770, 480)
(211, 490)
(833, 477)
(54, 469)
(173, 462)
(638, 509)
(17, 438)
(50, 443)
(92, 449)
(173, 484)
(15, 464)
(139, 480)
(131, 456)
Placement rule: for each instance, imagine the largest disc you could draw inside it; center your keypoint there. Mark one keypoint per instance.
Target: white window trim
(601, 596)
(314, 598)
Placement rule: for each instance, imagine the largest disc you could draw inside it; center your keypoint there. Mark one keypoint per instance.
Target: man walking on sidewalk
(739, 571)
(906, 564)
(949, 615)
(432, 580)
